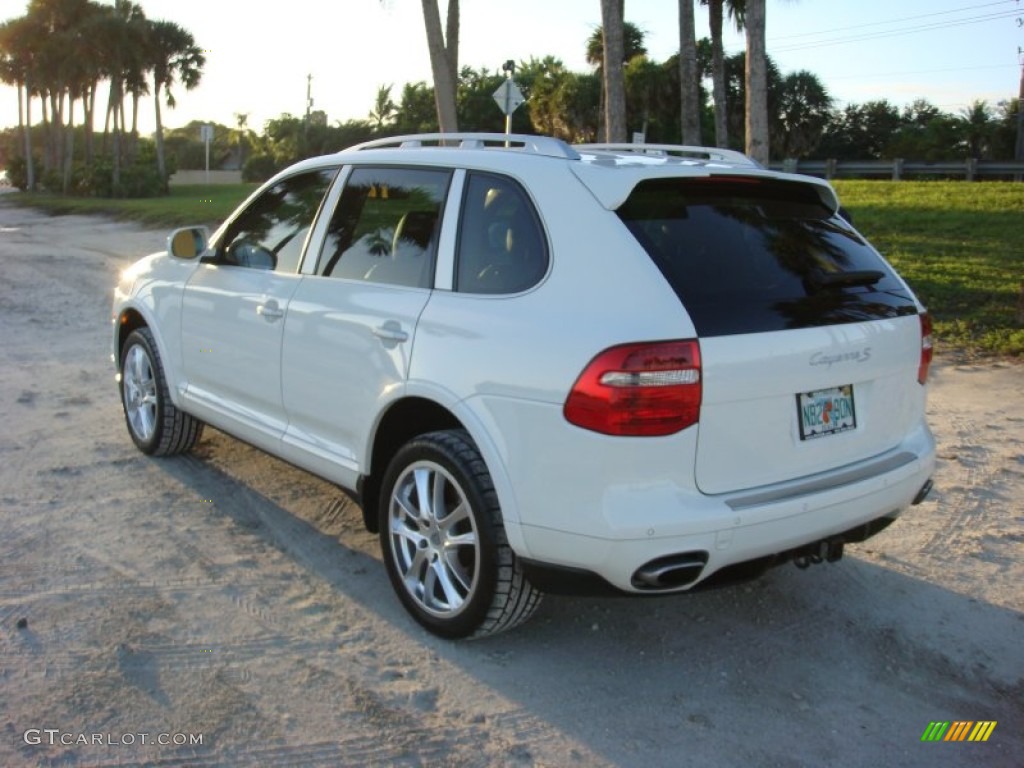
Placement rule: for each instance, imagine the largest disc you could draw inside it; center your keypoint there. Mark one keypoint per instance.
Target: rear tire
(156, 426)
(444, 543)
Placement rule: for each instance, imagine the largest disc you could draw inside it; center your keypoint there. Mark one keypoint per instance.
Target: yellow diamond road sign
(508, 97)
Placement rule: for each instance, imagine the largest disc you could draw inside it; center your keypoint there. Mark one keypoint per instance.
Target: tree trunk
(757, 83)
(718, 74)
(688, 87)
(46, 133)
(161, 166)
(126, 139)
(57, 128)
(30, 165)
(112, 116)
(614, 75)
(69, 146)
(441, 67)
(451, 39)
(87, 96)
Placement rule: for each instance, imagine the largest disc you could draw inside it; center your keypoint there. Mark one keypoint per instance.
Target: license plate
(826, 412)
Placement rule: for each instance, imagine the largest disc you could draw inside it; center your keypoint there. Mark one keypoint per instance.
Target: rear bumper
(733, 533)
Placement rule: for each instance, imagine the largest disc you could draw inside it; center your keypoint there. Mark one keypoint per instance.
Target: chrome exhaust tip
(670, 572)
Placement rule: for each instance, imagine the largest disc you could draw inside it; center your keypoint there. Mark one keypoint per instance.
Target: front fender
(151, 291)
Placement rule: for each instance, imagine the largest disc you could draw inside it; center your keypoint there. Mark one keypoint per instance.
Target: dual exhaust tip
(670, 572)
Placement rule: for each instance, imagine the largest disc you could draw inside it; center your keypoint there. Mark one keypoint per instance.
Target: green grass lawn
(960, 245)
(189, 204)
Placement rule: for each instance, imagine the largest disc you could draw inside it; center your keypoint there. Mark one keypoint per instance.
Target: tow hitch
(824, 551)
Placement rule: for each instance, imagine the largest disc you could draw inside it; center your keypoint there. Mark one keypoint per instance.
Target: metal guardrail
(971, 169)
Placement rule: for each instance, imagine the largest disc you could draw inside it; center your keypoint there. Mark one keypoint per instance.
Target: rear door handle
(390, 331)
(270, 311)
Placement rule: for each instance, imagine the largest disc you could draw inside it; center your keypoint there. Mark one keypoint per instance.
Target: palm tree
(632, 45)
(756, 76)
(614, 76)
(122, 32)
(242, 134)
(173, 57)
(443, 46)
(93, 58)
(61, 74)
(976, 127)
(716, 11)
(444, 61)
(689, 88)
(18, 43)
(384, 108)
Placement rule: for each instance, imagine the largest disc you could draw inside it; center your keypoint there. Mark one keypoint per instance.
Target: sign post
(206, 136)
(508, 97)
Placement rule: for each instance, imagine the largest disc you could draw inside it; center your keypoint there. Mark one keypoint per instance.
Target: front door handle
(390, 331)
(270, 311)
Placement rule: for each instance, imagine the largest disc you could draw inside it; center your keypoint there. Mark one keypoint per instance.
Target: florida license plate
(826, 412)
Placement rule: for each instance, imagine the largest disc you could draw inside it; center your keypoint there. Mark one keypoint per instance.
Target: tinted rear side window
(501, 244)
(748, 256)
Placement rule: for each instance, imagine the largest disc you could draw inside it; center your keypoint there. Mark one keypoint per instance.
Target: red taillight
(927, 349)
(647, 389)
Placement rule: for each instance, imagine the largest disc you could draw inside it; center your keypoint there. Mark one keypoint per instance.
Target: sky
(950, 52)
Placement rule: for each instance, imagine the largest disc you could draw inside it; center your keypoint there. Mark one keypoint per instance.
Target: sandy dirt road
(228, 597)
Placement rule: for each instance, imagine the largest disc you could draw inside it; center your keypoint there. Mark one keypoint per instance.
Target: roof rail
(708, 153)
(538, 145)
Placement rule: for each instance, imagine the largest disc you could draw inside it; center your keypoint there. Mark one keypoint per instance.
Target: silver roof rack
(665, 150)
(539, 145)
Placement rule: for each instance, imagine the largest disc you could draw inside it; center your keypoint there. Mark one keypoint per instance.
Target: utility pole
(309, 111)
(309, 96)
(1018, 154)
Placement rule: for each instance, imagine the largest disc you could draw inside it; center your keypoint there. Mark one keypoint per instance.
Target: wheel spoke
(437, 504)
(455, 568)
(407, 509)
(414, 574)
(422, 478)
(450, 521)
(467, 539)
(452, 596)
(406, 533)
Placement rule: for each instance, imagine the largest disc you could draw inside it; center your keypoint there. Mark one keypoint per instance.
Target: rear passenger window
(385, 227)
(501, 244)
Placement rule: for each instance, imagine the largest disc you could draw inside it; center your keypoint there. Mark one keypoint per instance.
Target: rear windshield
(755, 255)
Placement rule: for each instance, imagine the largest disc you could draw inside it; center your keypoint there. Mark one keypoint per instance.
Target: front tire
(444, 543)
(156, 426)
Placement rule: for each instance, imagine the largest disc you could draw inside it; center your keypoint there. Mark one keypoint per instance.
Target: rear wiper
(845, 279)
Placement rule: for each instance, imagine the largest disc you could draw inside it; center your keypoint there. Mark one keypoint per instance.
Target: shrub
(259, 168)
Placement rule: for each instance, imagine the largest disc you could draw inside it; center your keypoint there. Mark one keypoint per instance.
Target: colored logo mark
(959, 730)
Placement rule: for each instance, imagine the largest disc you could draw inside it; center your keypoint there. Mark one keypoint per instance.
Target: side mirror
(188, 243)
(845, 214)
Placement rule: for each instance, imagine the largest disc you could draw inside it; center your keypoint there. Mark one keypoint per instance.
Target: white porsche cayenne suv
(542, 367)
